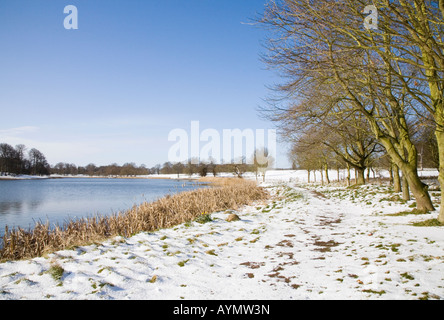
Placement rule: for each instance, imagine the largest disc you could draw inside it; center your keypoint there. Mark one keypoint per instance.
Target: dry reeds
(218, 181)
(163, 213)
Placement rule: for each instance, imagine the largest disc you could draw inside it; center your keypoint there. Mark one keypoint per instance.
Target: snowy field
(307, 242)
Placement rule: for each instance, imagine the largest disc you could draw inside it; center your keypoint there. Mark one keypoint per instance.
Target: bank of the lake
(24, 202)
(164, 212)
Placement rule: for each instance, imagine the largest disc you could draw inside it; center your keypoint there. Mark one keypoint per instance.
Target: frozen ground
(306, 243)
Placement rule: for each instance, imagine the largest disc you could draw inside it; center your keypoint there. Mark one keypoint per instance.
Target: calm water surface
(24, 202)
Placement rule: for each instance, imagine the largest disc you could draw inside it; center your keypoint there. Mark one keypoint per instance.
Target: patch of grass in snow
(103, 269)
(269, 207)
(292, 195)
(182, 263)
(56, 271)
(175, 253)
(394, 198)
(427, 296)
(255, 240)
(211, 252)
(407, 276)
(27, 281)
(97, 286)
(407, 212)
(204, 218)
(394, 247)
(381, 292)
(428, 223)
(188, 224)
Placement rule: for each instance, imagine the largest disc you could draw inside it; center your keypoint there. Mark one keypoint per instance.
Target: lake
(24, 202)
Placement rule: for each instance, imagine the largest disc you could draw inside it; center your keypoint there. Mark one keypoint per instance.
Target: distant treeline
(131, 169)
(204, 168)
(19, 160)
(128, 169)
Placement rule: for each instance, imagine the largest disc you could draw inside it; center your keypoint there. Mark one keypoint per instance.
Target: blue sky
(112, 90)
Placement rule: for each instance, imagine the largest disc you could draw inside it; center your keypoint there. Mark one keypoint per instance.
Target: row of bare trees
(356, 88)
(260, 161)
(127, 169)
(19, 160)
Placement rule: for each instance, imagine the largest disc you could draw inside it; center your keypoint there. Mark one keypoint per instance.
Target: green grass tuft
(428, 223)
(56, 272)
(405, 213)
(204, 218)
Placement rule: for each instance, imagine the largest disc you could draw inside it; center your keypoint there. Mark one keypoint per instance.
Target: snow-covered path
(303, 244)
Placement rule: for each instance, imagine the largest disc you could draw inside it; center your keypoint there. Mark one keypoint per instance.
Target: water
(24, 202)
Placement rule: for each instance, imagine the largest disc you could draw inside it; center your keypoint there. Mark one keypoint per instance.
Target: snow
(22, 177)
(307, 242)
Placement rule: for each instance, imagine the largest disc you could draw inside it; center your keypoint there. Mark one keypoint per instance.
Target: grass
(56, 271)
(404, 213)
(407, 276)
(182, 263)
(211, 252)
(381, 292)
(164, 213)
(204, 218)
(428, 223)
(395, 198)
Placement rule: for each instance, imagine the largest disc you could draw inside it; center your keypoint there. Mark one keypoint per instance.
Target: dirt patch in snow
(253, 265)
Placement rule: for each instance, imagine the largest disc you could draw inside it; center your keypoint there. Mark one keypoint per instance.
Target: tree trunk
(360, 180)
(440, 139)
(327, 179)
(419, 189)
(308, 176)
(409, 170)
(396, 178)
(405, 189)
(348, 175)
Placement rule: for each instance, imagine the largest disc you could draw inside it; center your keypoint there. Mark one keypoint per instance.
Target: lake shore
(165, 212)
(26, 177)
(155, 176)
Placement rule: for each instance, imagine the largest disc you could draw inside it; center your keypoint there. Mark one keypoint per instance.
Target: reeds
(222, 181)
(163, 213)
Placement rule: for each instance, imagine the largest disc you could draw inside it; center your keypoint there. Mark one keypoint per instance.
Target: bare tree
(325, 43)
(38, 163)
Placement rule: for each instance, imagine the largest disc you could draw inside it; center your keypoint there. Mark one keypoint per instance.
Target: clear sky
(112, 90)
